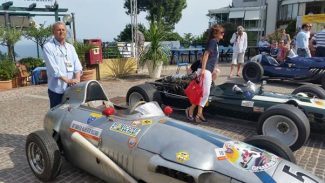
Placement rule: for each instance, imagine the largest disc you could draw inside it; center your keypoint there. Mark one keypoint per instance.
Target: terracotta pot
(15, 82)
(154, 72)
(87, 75)
(6, 85)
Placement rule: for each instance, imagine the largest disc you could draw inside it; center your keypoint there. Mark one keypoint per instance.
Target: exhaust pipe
(76, 137)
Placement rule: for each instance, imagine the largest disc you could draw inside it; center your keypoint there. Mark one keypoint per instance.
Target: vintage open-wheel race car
(287, 117)
(142, 144)
(297, 69)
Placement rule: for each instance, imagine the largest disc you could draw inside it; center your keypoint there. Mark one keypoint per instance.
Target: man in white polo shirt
(239, 39)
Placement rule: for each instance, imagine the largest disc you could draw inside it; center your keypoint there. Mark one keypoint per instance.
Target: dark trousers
(320, 51)
(55, 98)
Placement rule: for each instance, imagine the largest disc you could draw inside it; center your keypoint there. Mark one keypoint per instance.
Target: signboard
(23, 3)
(317, 20)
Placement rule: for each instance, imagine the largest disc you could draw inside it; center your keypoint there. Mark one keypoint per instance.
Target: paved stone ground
(22, 111)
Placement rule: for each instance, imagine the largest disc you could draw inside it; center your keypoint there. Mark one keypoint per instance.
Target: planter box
(88, 75)
(6, 85)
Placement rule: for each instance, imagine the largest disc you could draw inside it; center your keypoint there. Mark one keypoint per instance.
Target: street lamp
(31, 7)
(68, 20)
(6, 5)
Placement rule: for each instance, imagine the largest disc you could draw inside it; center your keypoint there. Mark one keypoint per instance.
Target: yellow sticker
(95, 115)
(146, 122)
(182, 156)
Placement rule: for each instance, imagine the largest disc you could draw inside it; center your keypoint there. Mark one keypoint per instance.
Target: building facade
(261, 17)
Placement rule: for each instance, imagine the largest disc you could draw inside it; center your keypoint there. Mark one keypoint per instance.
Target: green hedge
(31, 63)
(8, 70)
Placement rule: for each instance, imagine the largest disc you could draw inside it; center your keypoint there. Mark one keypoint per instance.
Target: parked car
(284, 116)
(299, 69)
(142, 144)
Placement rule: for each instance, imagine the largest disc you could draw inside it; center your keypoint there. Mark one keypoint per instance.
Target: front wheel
(144, 92)
(272, 145)
(253, 71)
(286, 123)
(310, 90)
(43, 155)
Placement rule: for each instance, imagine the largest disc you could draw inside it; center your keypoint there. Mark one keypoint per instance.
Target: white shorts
(238, 58)
(206, 86)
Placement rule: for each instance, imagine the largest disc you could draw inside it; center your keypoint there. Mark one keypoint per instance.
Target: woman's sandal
(188, 116)
(200, 119)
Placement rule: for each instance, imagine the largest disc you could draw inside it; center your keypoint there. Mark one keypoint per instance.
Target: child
(274, 49)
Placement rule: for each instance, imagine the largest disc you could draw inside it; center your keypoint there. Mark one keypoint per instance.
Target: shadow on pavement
(15, 169)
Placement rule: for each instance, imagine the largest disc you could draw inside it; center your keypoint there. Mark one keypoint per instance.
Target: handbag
(194, 91)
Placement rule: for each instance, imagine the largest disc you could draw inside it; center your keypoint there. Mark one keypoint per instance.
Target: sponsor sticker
(64, 106)
(162, 121)
(249, 158)
(318, 102)
(125, 129)
(86, 130)
(136, 123)
(246, 103)
(146, 122)
(258, 109)
(182, 156)
(93, 116)
(132, 142)
(221, 154)
(77, 90)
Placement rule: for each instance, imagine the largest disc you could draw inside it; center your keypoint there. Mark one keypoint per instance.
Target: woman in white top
(239, 39)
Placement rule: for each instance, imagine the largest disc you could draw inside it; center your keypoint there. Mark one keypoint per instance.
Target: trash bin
(95, 55)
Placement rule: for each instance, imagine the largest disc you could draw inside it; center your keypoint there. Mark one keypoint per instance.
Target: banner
(315, 18)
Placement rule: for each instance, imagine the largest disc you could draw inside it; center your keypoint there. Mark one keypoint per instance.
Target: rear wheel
(310, 91)
(286, 123)
(144, 92)
(253, 71)
(272, 145)
(43, 155)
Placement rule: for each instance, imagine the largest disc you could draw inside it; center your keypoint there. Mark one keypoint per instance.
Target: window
(251, 24)
(313, 8)
(294, 11)
(289, 12)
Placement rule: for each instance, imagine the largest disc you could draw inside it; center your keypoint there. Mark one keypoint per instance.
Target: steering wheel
(136, 105)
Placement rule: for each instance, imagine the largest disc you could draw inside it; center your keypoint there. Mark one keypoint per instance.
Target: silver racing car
(142, 144)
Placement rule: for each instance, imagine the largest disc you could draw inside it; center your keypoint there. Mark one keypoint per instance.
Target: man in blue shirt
(302, 41)
(62, 63)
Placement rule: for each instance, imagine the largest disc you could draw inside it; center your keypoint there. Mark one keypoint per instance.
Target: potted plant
(154, 55)
(82, 49)
(8, 71)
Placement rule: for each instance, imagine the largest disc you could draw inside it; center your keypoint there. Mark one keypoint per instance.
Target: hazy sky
(106, 18)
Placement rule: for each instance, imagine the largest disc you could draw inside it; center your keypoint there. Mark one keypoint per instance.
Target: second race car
(287, 117)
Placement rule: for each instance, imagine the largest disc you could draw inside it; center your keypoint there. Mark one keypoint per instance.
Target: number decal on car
(298, 175)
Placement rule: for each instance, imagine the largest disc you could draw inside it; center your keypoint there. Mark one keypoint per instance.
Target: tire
(311, 91)
(253, 71)
(272, 145)
(40, 146)
(144, 92)
(322, 81)
(286, 123)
